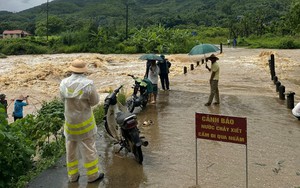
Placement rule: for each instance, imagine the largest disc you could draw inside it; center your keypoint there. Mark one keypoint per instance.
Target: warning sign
(221, 128)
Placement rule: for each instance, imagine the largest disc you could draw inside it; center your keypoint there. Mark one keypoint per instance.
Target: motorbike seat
(124, 116)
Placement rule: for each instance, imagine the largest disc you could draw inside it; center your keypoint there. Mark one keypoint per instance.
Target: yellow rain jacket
(79, 95)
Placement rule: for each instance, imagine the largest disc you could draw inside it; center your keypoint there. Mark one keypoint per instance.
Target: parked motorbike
(122, 126)
(139, 97)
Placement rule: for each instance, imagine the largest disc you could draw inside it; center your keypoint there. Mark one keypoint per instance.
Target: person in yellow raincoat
(79, 95)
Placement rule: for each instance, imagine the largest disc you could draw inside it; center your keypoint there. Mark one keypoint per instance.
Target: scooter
(139, 97)
(122, 126)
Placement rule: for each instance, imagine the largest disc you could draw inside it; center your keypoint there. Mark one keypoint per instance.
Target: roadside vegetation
(150, 27)
(154, 39)
(36, 142)
(32, 144)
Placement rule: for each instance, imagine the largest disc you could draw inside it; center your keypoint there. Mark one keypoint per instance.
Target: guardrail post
(278, 83)
(290, 100)
(275, 79)
(281, 92)
(272, 66)
(192, 66)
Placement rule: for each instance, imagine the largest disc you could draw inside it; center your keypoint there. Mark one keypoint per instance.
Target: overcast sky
(19, 5)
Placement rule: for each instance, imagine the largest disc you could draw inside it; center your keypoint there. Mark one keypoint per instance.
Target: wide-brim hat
(213, 56)
(78, 66)
(21, 98)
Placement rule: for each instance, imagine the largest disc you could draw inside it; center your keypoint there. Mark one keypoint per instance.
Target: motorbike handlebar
(132, 76)
(118, 89)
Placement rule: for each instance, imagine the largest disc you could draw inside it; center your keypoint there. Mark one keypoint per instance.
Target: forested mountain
(74, 14)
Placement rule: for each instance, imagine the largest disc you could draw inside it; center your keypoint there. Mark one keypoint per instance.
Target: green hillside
(156, 26)
(170, 13)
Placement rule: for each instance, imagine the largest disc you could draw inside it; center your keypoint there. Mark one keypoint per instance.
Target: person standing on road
(214, 80)
(18, 107)
(153, 77)
(164, 67)
(79, 95)
(228, 43)
(234, 43)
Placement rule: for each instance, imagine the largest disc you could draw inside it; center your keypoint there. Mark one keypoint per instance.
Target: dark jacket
(164, 66)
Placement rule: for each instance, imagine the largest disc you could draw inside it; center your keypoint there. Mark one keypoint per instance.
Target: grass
(3, 55)
(271, 42)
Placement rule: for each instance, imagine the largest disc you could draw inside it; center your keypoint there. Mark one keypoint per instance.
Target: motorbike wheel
(144, 103)
(130, 105)
(138, 154)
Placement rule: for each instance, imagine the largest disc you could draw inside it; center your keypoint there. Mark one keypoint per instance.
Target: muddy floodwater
(271, 157)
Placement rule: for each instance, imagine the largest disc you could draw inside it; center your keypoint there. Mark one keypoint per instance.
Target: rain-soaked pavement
(170, 159)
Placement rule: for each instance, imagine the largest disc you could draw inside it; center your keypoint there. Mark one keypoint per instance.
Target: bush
(23, 138)
(15, 155)
(3, 115)
(20, 47)
(3, 55)
(122, 97)
(99, 114)
(54, 149)
(287, 44)
(129, 50)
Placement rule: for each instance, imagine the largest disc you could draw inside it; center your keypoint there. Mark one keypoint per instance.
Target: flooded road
(246, 90)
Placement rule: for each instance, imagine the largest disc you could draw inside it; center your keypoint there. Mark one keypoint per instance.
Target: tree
(55, 26)
(293, 17)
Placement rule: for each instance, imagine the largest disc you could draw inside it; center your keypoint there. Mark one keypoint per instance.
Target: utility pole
(126, 20)
(47, 20)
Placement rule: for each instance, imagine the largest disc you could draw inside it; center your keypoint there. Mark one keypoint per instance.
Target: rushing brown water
(246, 90)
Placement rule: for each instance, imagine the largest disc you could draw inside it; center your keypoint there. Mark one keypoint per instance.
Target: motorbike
(139, 97)
(121, 125)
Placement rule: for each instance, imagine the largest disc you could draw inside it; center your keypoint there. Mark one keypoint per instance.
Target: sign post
(221, 128)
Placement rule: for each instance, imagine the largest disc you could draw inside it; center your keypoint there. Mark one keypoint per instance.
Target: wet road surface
(169, 160)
